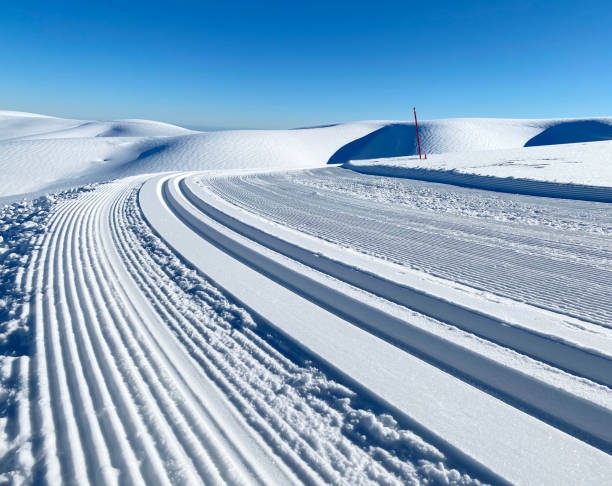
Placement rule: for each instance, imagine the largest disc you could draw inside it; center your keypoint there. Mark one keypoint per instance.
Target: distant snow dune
(471, 134)
(39, 153)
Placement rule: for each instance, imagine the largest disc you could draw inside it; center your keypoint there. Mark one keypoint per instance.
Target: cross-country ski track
(210, 328)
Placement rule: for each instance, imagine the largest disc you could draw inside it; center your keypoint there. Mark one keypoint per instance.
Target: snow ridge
(41, 154)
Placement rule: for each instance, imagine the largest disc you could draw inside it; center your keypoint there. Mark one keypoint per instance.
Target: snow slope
(268, 325)
(470, 134)
(39, 154)
(575, 171)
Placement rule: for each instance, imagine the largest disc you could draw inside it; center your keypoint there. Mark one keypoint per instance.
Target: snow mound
(98, 151)
(571, 171)
(14, 124)
(574, 131)
(18, 125)
(237, 149)
(39, 154)
(397, 139)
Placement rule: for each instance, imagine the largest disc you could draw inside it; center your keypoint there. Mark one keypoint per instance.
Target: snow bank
(20, 225)
(572, 171)
(471, 134)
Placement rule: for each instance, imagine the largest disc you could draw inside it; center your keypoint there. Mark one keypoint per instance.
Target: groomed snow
(515, 447)
(577, 170)
(229, 309)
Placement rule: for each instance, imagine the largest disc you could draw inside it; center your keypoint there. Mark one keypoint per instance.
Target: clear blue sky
(286, 64)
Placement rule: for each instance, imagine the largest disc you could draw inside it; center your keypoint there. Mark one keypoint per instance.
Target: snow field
(259, 324)
(319, 332)
(570, 171)
(40, 154)
(144, 372)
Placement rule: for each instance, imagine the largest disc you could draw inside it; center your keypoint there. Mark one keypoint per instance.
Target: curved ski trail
(144, 373)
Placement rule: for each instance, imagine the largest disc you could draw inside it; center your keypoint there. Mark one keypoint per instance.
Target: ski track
(545, 267)
(144, 373)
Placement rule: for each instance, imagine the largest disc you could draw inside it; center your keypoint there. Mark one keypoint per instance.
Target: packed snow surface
(577, 170)
(185, 307)
(534, 250)
(134, 368)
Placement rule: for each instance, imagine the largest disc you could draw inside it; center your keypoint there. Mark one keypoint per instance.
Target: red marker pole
(416, 123)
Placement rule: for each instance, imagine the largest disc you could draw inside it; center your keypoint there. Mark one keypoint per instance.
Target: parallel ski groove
(102, 376)
(416, 241)
(80, 373)
(124, 385)
(142, 275)
(151, 397)
(573, 412)
(113, 382)
(233, 386)
(540, 346)
(336, 455)
(70, 457)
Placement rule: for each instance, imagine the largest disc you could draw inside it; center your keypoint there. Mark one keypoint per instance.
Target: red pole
(416, 123)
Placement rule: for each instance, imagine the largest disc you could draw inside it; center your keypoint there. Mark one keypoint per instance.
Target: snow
(587, 164)
(40, 154)
(259, 219)
(541, 265)
(43, 154)
(576, 171)
(18, 125)
(230, 309)
(145, 372)
(428, 394)
(472, 134)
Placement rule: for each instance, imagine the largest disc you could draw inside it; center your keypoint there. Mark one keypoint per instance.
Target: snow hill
(396, 139)
(39, 153)
(17, 125)
(570, 171)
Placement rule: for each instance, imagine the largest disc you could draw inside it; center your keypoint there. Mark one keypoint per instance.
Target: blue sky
(288, 64)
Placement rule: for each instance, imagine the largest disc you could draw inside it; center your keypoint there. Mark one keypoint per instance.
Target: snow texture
(230, 309)
(40, 154)
(104, 398)
(571, 171)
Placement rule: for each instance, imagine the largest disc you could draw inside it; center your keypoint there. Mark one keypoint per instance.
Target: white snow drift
(40, 153)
